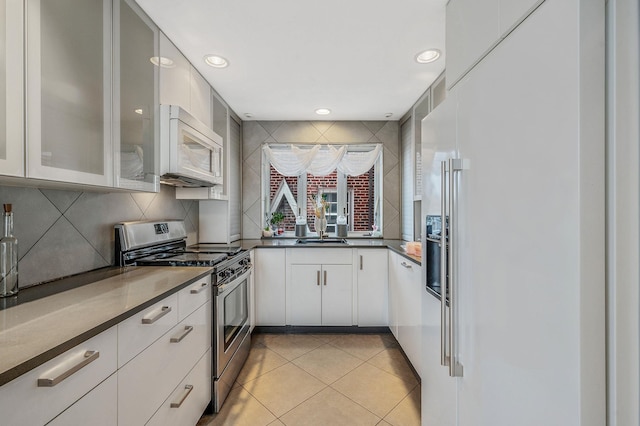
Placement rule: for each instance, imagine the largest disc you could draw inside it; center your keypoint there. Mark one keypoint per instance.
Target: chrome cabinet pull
(88, 358)
(325, 277)
(187, 329)
(188, 389)
(361, 262)
(318, 277)
(163, 311)
(406, 265)
(444, 279)
(455, 368)
(199, 289)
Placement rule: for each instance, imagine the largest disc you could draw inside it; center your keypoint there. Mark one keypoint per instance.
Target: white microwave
(191, 153)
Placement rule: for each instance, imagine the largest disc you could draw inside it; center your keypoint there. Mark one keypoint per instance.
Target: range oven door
(232, 320)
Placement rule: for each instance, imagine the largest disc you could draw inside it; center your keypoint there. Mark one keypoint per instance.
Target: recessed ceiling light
(323, 111)
(248, 114)
(138, 111)
(427, 56)
(216, 61)
(389, 114)
(161, 61)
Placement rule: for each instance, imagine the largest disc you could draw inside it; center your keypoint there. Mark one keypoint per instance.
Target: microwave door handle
(444, 361)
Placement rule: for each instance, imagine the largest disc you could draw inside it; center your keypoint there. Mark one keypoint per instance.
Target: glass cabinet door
(11, 84)
(136, 105)
(69, 91)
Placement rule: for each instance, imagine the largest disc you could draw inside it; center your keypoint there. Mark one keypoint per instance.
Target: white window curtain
(292, 160)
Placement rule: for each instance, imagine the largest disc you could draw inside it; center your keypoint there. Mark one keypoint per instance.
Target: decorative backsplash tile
(61, 233)
(257, 132)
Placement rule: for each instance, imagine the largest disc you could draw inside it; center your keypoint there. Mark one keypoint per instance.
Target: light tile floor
(321, 379)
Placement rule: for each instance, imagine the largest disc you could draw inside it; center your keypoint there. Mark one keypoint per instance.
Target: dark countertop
(283, 242)
(37, 331)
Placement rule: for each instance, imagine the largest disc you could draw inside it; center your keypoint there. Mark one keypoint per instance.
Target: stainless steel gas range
(163, 243)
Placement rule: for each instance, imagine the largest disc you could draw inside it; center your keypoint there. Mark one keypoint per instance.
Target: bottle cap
(7, 208)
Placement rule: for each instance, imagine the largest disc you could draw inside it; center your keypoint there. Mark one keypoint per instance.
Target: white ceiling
(289, 57)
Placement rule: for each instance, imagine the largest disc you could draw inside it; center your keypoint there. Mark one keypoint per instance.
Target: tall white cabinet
(527, 214)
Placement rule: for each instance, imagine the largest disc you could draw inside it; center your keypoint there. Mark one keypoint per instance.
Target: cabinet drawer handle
(187, 329)
(318, 277)
(361, 262)
(164, 311)
(325, 277)
(188, 389)
(88, 358)
(406, 265)
(199, 289)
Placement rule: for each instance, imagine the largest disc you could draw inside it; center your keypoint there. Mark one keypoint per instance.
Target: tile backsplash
(62, 232)
(255, 133)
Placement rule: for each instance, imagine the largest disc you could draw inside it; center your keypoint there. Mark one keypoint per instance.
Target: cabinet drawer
(189, 400)
(148, 379)
(193, 296)
(23, 402)
(145, 327)
(332, 256)
(97, 408)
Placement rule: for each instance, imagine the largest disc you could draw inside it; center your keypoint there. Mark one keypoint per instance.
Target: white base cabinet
(321, 295)
(320, 287)
(141, 389)
(372, 272)
(24, 402)
(405, 284)
(270, 272)
(97, 408)
(188, 401)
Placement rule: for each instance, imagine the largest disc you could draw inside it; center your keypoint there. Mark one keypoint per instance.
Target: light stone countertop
(35, 332)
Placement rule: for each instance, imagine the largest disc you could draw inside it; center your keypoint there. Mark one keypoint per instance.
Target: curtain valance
(319, 160)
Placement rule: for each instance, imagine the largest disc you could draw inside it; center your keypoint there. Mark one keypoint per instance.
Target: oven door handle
(225, 288)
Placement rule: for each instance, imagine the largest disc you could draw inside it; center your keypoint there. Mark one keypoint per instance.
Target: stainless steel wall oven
(164, 244)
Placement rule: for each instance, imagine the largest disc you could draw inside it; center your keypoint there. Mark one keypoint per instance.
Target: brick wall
(362, 187)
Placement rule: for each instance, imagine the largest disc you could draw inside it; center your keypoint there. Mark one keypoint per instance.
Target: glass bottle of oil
(8, 257)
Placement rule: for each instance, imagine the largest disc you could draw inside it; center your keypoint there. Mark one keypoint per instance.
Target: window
(357, 197)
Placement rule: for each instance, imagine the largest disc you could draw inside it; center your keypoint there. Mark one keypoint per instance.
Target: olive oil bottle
(8, 257)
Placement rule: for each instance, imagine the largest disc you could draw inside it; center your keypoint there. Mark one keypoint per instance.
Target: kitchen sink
(307, 241)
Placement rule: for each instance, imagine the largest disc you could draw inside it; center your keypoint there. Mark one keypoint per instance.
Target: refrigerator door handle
(455, 368)
(444, 359)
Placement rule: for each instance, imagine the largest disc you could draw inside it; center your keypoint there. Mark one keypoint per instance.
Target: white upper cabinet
(474, 27)
(11, 83)
(181, 84)
(135, 98)
(200, 98)
(69, 91)
(175, 75)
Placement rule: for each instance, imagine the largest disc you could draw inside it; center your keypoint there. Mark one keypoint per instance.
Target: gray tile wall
(62, 233)
(325, 132)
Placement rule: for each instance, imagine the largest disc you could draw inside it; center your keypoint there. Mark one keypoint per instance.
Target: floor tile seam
(329, 384)
(293, 408)
(260, 402)
(396, 406)
(394, 375)
(296, 357)
(357, 403)
(354, 355)
(265, 373)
